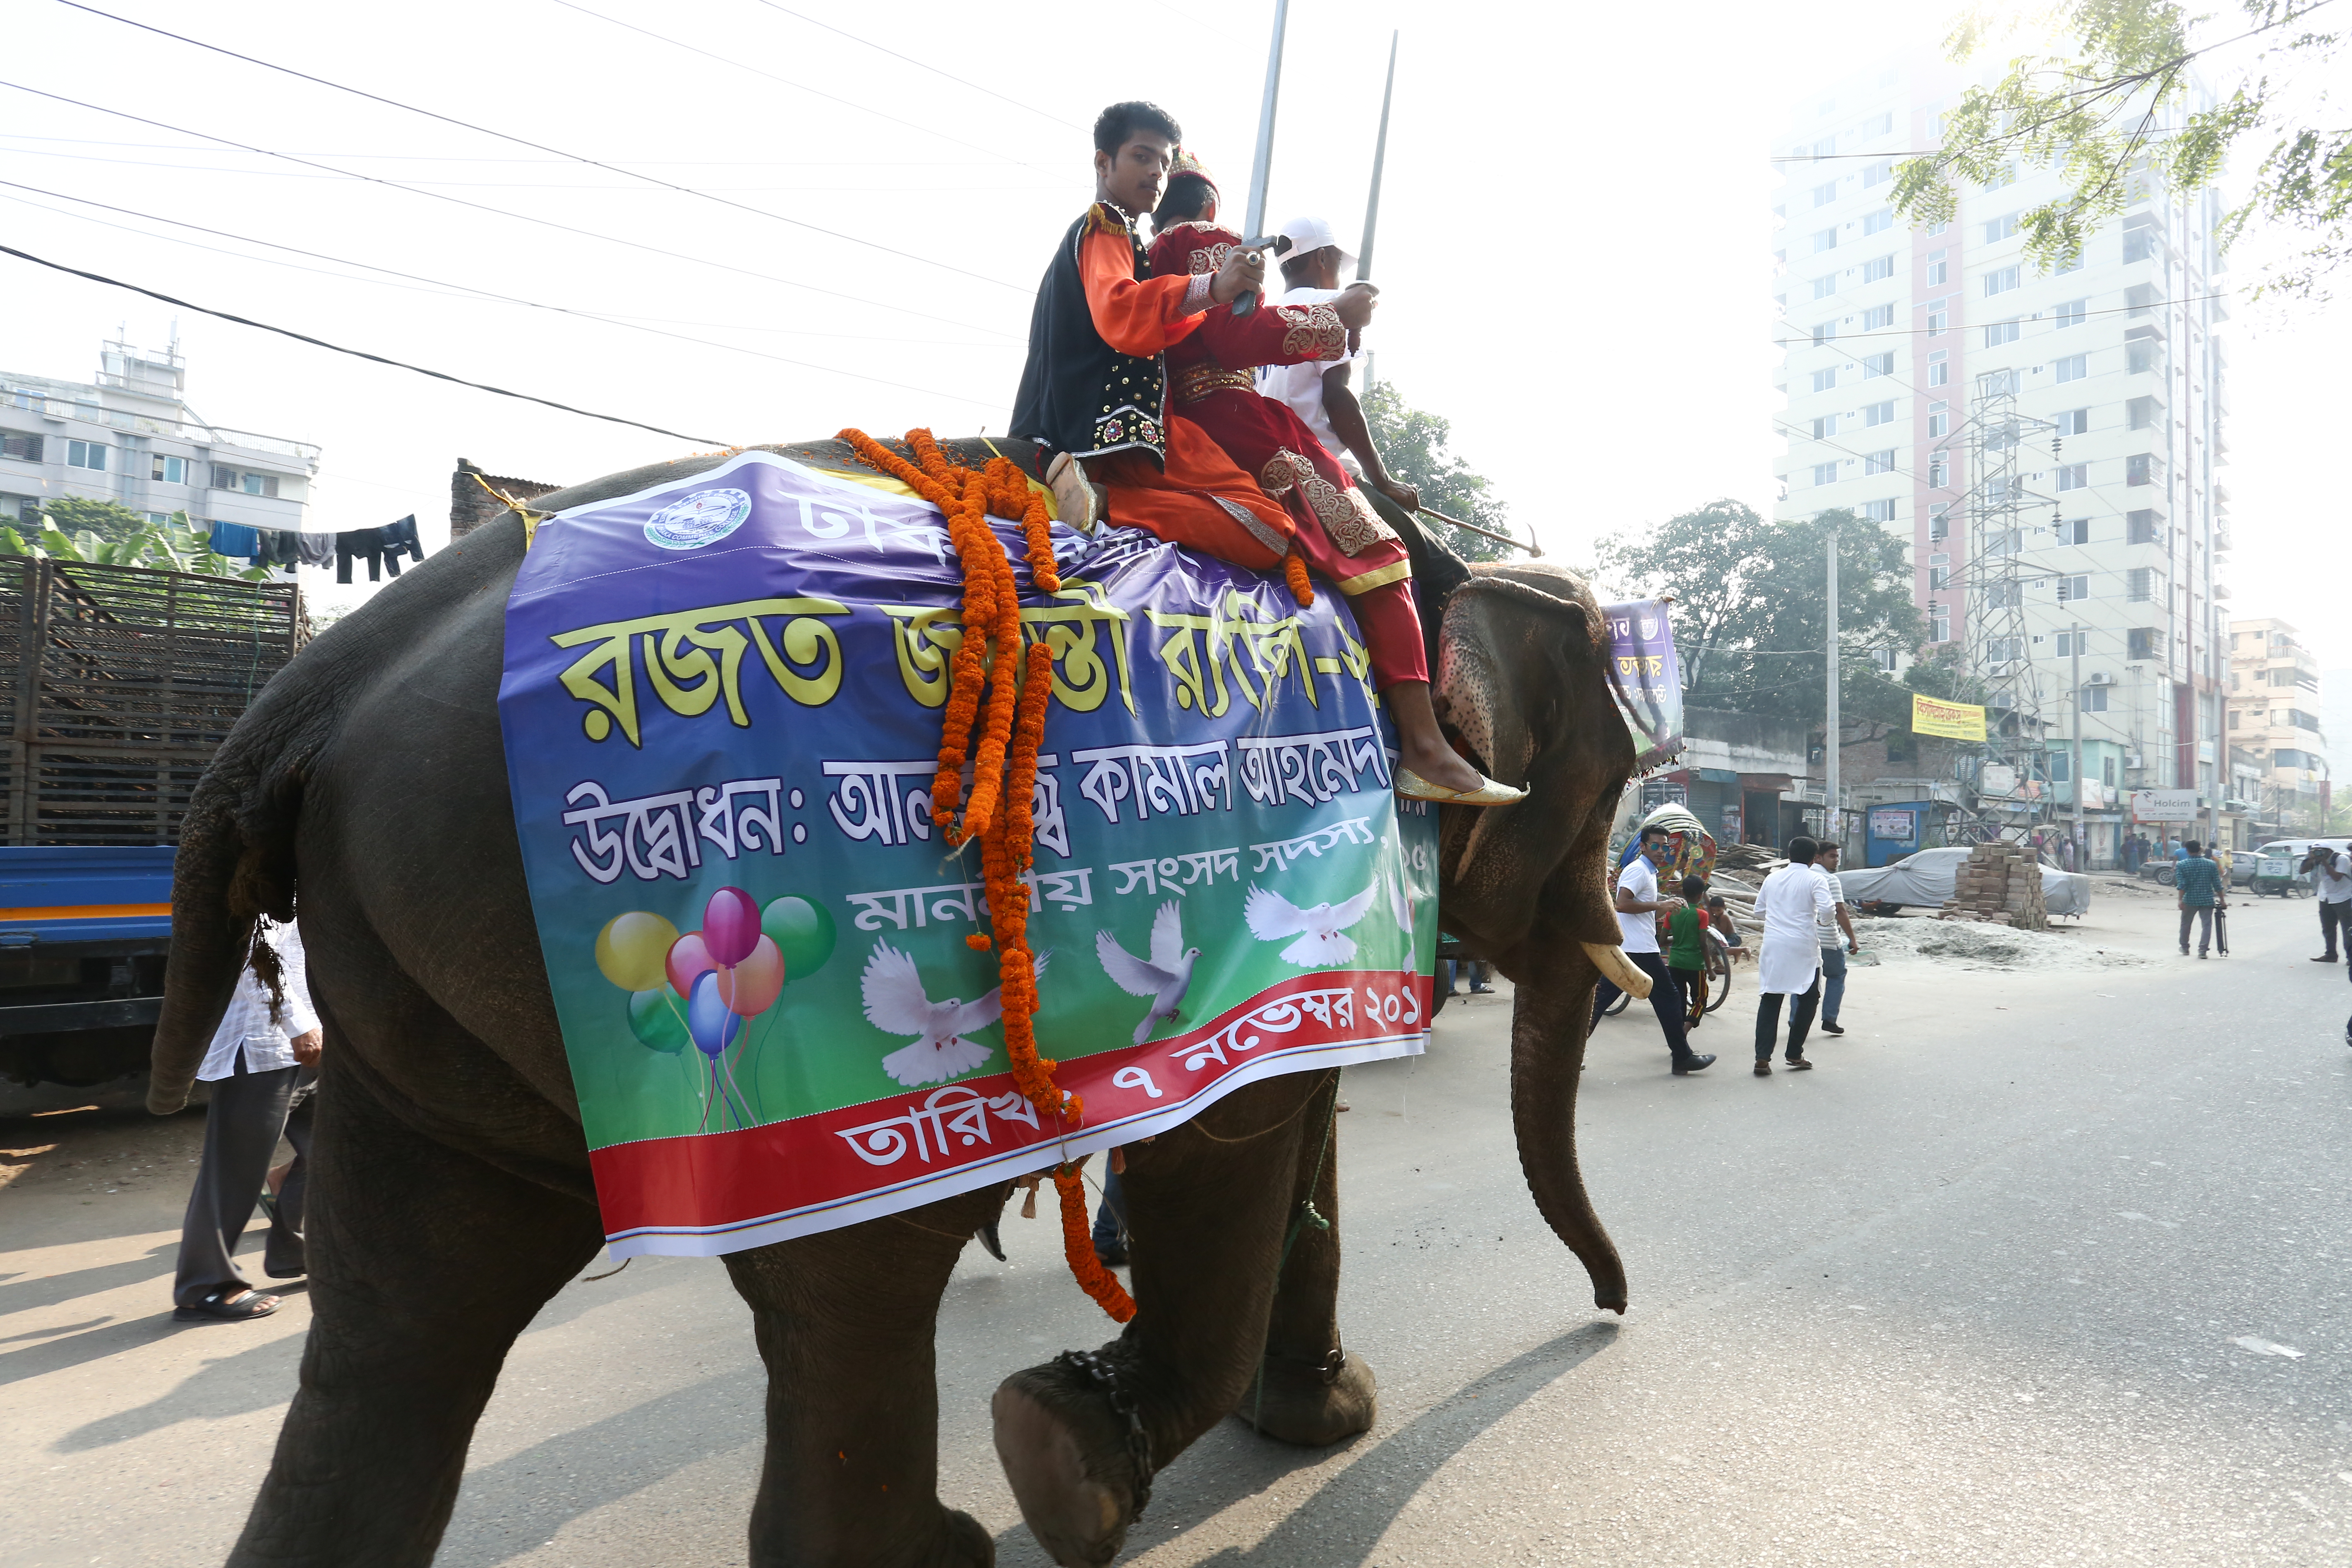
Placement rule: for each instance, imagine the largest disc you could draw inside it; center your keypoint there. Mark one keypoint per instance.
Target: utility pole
(1830, 733)
(1380, 162)
(1262, 165)
(2082, 848)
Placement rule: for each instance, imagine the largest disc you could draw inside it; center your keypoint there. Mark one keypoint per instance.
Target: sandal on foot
(229, 1308)
(1410, 786)
(1801, 1063)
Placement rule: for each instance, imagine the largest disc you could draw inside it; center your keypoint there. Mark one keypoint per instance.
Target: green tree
(109, 519)
(1413, 445)
(1751, 609)
(2117, 111)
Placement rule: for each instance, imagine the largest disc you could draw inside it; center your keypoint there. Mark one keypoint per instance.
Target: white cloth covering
(1639, 932)
(246, 1028)
(1790, 904)
(1301, 386)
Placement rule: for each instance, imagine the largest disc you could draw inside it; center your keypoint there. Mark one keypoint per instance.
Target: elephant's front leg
(1208, 1205)
(1310, 1389)
(845, 1323)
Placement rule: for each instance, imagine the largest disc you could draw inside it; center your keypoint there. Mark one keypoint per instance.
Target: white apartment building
(2274, 721)
(2047, 442)
(129, 436)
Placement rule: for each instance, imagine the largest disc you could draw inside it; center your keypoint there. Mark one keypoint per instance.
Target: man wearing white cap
(1314, 268)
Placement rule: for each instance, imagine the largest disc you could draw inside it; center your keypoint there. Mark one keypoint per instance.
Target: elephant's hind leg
(846, 1322)
(425, 1264)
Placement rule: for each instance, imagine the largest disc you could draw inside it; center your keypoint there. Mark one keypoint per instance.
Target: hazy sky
(1575, 239)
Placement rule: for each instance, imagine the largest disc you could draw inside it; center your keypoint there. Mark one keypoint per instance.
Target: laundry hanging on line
(384, 545)
(271, 546)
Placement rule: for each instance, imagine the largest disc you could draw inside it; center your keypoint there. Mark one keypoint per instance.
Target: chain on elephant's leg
(1081, 1437)
(846, 1322)
(1310, 1389)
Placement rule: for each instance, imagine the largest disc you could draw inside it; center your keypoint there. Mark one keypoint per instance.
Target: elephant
(451, 1194)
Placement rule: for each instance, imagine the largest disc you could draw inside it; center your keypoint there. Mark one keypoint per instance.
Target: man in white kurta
(1790, 904)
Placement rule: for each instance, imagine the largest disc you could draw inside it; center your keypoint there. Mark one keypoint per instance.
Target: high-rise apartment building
(129, 436)
(2274, 721)
(2046, 440)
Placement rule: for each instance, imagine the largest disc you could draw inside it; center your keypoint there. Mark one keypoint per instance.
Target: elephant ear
(1508, 653)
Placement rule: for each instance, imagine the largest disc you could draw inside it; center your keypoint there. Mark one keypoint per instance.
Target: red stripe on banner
(704, 1185)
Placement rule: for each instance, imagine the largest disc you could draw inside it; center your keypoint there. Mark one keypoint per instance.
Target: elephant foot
(1068, 1457)
(968, 1544)
(1313, 1407)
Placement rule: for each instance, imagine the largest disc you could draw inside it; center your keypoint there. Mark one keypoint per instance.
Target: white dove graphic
(1164, 978)
(1400, 906)
(1272, 917)
(897, 1003)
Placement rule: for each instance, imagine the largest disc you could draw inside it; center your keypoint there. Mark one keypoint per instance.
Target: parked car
(1925, 880)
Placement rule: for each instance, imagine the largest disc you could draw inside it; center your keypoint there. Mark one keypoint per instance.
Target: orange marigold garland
(1018, 683)
(1293, 573)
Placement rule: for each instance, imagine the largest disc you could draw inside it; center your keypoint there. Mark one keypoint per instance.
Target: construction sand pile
(1982, 945)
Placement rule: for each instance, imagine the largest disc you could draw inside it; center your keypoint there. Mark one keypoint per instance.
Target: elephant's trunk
(1549, 1020)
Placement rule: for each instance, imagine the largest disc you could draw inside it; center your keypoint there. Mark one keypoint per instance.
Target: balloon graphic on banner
(752, 986)
(708, 1019)
(730, 926)
(690, 957)
(657, 1018)
(632, 947)
(802, 933)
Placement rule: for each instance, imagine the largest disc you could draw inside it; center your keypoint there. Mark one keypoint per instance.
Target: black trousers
(1801, 1020)
(1692, 982)
(2334, 917)
(249, 1112)
(1665, 1000)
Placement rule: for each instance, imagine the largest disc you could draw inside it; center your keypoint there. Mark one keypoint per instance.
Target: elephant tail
(236, 864)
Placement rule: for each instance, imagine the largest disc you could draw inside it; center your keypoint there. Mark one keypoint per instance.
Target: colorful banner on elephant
(722, 705)
(1647, 679)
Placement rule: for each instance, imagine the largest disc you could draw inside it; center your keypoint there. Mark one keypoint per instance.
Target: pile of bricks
(2001, 884)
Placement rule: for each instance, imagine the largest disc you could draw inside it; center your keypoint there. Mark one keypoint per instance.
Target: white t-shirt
(1640, 932)
(1301, 387)
(1825, 927)
(2336, 879)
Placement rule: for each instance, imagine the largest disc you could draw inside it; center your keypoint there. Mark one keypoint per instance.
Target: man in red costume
(1094, 397)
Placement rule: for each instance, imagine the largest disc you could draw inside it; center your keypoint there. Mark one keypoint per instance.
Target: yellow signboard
(1954, 720)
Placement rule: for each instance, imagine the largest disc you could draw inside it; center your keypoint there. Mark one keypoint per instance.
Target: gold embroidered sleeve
(1315, 332)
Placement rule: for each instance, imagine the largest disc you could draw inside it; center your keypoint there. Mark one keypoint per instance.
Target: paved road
(2038, 1267)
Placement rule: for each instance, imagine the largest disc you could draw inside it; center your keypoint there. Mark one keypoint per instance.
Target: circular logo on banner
(703, 518)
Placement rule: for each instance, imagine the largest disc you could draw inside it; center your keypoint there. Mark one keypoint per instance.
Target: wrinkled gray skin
(451, 1198)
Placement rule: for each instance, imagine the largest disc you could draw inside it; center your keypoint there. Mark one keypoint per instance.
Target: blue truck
(116, 684)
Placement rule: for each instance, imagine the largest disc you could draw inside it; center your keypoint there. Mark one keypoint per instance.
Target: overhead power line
(1938, 331)
(919, 65)
(558, 152)
(504, 212)
(355, 354)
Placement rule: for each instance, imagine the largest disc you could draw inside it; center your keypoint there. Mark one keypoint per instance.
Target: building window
(1826, 426)
(1882, 659)
(2145, 584)
(2072, 264)
(1999, 489)
(2140, 243)
(262, 484)
(2072, 312)
(2067, 645)
(2140, 469)
(2001, 280)
(1825, 380)
(1877, 318)
(2140, 358)
(1824, 240)
(1939, 572)
(1878, 222)
(2003, 595)
(2072, 476)
(1825, 474)
(224, 478)
(1878, 173)
(1878, 510)
(2106, 764)
(1937, 269)
(2073, 367)
(86, 454)
(1877, 365)
(2075, 587)
(1822, 332)
(1877, 267)
(1878, 125)
(1940, 371)
(1939, 469)
(2074, 422)
(2233, 712)
(1879, 414)
(2002, 650)
(2073, 530)
(1939, 523)
(1939, 423)
(2062, 765)
(2000, 228)
(1822, 197)
(2094, 698)
(2140, 528)
(2141, 643)
(1827, 146)
(2140, 413)
(1879, 462)
(2000, 333)
(1825, 285)
(24, 449)
(171, 471)
(1939, 623)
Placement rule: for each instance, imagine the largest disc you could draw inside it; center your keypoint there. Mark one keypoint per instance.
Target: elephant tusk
(1614, 966)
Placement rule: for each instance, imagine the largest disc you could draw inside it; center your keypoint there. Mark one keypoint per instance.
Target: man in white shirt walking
(262, 1067)
(1638, 908)
(1794, 904)
(2334, 868)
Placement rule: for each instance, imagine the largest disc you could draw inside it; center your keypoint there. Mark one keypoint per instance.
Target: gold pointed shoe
(1410, 786)
(1073, 498)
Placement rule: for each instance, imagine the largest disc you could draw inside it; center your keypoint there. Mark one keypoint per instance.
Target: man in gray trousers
(262, 1067)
